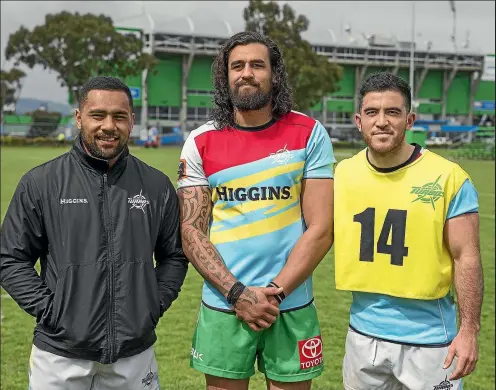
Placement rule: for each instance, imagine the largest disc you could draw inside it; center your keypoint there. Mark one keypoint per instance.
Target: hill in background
(25, 105)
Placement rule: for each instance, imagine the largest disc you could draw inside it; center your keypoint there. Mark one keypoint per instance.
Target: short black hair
(385, 81)
(106, 83)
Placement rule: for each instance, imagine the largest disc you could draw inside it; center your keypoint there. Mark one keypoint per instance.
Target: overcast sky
(434, 22)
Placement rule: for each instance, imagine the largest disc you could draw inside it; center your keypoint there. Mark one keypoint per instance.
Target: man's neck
(393, 158)
(253, 118)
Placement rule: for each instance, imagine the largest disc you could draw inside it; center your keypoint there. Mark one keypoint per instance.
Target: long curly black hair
(282, 95)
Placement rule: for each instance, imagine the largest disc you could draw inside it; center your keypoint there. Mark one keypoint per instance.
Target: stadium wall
(164, 90)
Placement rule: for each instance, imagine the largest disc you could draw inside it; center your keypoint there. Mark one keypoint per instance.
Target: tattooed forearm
(206, 259)
(196, 209)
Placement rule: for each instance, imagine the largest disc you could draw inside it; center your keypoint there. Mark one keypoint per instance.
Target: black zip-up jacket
(95, 230)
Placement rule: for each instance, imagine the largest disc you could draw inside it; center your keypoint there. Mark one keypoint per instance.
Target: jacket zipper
(108, 228)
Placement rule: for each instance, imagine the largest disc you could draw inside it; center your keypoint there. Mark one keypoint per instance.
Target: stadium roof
(212, 26)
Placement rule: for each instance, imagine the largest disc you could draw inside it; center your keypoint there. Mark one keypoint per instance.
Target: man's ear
(410, 120)
(77, 116)
(133, 118)
(358, 121)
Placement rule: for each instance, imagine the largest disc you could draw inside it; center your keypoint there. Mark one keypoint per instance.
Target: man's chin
(108, 155)
(250, 100)
(382, 147)
(245, 106)
(105, 153)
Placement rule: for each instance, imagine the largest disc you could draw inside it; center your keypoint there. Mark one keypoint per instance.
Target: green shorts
(289, 351)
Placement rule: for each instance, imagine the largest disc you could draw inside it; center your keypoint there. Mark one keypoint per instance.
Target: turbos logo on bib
(253, 193)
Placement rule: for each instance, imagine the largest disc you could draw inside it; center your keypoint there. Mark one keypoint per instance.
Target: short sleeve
(465, 201)
(320, 156)
(190, 172)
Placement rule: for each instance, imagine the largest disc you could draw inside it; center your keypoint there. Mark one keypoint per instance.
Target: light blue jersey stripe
(252, 216)
(258, 267)
(251, 168)
(466, 201)
(320, 155)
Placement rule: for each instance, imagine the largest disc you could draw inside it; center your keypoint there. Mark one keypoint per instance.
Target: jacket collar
(95, 163)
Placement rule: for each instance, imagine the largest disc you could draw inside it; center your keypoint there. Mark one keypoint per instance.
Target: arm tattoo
(196, 209)
(248, 296)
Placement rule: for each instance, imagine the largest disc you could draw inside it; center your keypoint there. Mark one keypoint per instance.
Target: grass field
(176, 327)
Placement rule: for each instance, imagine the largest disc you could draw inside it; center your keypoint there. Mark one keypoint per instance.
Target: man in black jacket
(95, 217)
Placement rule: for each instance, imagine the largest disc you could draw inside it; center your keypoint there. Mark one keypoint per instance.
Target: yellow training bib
(389, 226)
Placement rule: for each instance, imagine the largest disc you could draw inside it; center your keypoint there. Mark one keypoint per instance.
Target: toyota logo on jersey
(310, 352)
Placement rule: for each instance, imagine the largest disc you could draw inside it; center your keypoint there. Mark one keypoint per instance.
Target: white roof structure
(215, 27)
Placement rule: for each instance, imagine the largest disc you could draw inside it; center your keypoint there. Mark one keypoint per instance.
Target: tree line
(79, 46)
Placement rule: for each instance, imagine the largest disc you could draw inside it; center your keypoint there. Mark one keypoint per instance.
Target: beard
(384, 147)
(249, 100)
(108, 153)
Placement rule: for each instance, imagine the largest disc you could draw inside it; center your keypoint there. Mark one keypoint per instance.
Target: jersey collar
(417, 152)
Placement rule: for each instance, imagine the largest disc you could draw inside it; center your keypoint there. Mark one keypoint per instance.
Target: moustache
(108, 134)
(243, 83)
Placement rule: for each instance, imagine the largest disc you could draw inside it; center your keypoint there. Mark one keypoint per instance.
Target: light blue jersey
(409, 321)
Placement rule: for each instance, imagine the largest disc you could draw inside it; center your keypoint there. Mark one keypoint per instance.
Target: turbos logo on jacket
(138, 202)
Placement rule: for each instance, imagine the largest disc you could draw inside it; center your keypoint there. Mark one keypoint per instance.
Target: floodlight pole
(453, 37)
(412, 55)
(3, 100)
(144, 75)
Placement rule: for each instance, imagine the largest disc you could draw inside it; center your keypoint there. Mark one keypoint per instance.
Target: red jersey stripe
(238, 147)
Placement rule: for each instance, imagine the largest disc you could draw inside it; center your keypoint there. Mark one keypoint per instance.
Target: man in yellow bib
(406, 226)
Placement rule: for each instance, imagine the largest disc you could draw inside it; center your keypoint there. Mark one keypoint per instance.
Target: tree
(311, 75)
(78, 47)
(10, 86)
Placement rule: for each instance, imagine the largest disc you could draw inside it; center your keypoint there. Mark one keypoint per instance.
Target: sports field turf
(176, 327)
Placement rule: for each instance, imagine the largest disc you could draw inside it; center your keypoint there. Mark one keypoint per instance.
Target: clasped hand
(258, 307)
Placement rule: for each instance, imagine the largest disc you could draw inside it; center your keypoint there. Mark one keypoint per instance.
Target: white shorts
(49, 371)
(374, 364)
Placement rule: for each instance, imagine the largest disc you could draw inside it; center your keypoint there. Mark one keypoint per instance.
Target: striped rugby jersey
(255, 175)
